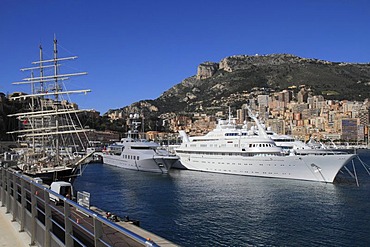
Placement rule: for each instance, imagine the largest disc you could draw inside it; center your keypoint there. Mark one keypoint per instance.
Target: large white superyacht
(138, 154)
(231, 150)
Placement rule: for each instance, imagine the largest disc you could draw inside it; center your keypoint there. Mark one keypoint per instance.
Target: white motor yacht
(231, 150)
(138, 154)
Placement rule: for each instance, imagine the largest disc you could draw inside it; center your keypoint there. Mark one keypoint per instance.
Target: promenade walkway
(10, 235)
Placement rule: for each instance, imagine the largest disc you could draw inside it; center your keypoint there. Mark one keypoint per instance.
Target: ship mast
(32, 109)
(261, 129)
(47, 122)
(56, 99)
(41, 100)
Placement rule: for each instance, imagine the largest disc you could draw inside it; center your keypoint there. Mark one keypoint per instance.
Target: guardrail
(51, 225)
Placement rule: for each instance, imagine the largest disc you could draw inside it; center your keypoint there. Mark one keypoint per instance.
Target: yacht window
(231, 134)
(141, 147)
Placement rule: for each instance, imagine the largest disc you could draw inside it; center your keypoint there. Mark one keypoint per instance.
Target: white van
(63, 188)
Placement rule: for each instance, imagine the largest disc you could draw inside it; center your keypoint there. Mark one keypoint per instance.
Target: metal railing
(68, 224)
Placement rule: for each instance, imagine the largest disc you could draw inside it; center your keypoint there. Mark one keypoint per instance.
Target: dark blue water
(204, 209)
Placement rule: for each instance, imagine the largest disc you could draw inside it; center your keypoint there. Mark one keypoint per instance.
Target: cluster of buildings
(302, 115)
(294, 112)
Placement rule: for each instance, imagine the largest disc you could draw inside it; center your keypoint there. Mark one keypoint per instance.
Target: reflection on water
(205, 209)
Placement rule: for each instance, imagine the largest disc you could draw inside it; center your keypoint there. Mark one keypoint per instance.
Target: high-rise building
(364, 116)
(302, 96)
(348, 127)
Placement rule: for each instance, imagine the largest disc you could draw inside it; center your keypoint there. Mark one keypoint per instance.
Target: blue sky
(135, 50)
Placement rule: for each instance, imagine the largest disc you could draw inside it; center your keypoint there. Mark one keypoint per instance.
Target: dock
(138, 230)
(10, 235)
(36, 220)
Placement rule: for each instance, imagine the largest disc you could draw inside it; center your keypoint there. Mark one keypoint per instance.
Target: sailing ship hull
(306, 167)
(48, 176)
(156, 164)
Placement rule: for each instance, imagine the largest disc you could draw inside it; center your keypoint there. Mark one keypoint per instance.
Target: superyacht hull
(156, 164)
(321, 168)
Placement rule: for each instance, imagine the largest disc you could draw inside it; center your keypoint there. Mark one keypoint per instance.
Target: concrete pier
(10, 235)
(139, 231)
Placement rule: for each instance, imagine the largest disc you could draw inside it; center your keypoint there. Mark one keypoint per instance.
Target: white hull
(322, 168)
(231, 150)
(157, 164)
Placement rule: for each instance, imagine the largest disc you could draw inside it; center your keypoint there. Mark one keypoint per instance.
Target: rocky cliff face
(206, 70)
(233, 63)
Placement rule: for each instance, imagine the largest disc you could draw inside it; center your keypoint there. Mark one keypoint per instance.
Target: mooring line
(354, 171)
(364, 165)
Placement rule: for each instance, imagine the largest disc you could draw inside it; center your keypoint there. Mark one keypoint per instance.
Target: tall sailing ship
(50, 131)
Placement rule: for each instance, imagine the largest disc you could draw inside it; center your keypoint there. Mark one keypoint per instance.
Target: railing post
(48, 223)
(23, 204)
(67, 224)
(34, 214)
(98, 231)
(15, 194)
(8, 190)
(3, 183)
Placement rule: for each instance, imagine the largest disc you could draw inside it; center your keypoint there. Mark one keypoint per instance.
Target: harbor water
(205, 209)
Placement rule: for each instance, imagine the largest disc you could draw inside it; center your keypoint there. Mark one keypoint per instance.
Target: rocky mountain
(230, 82)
